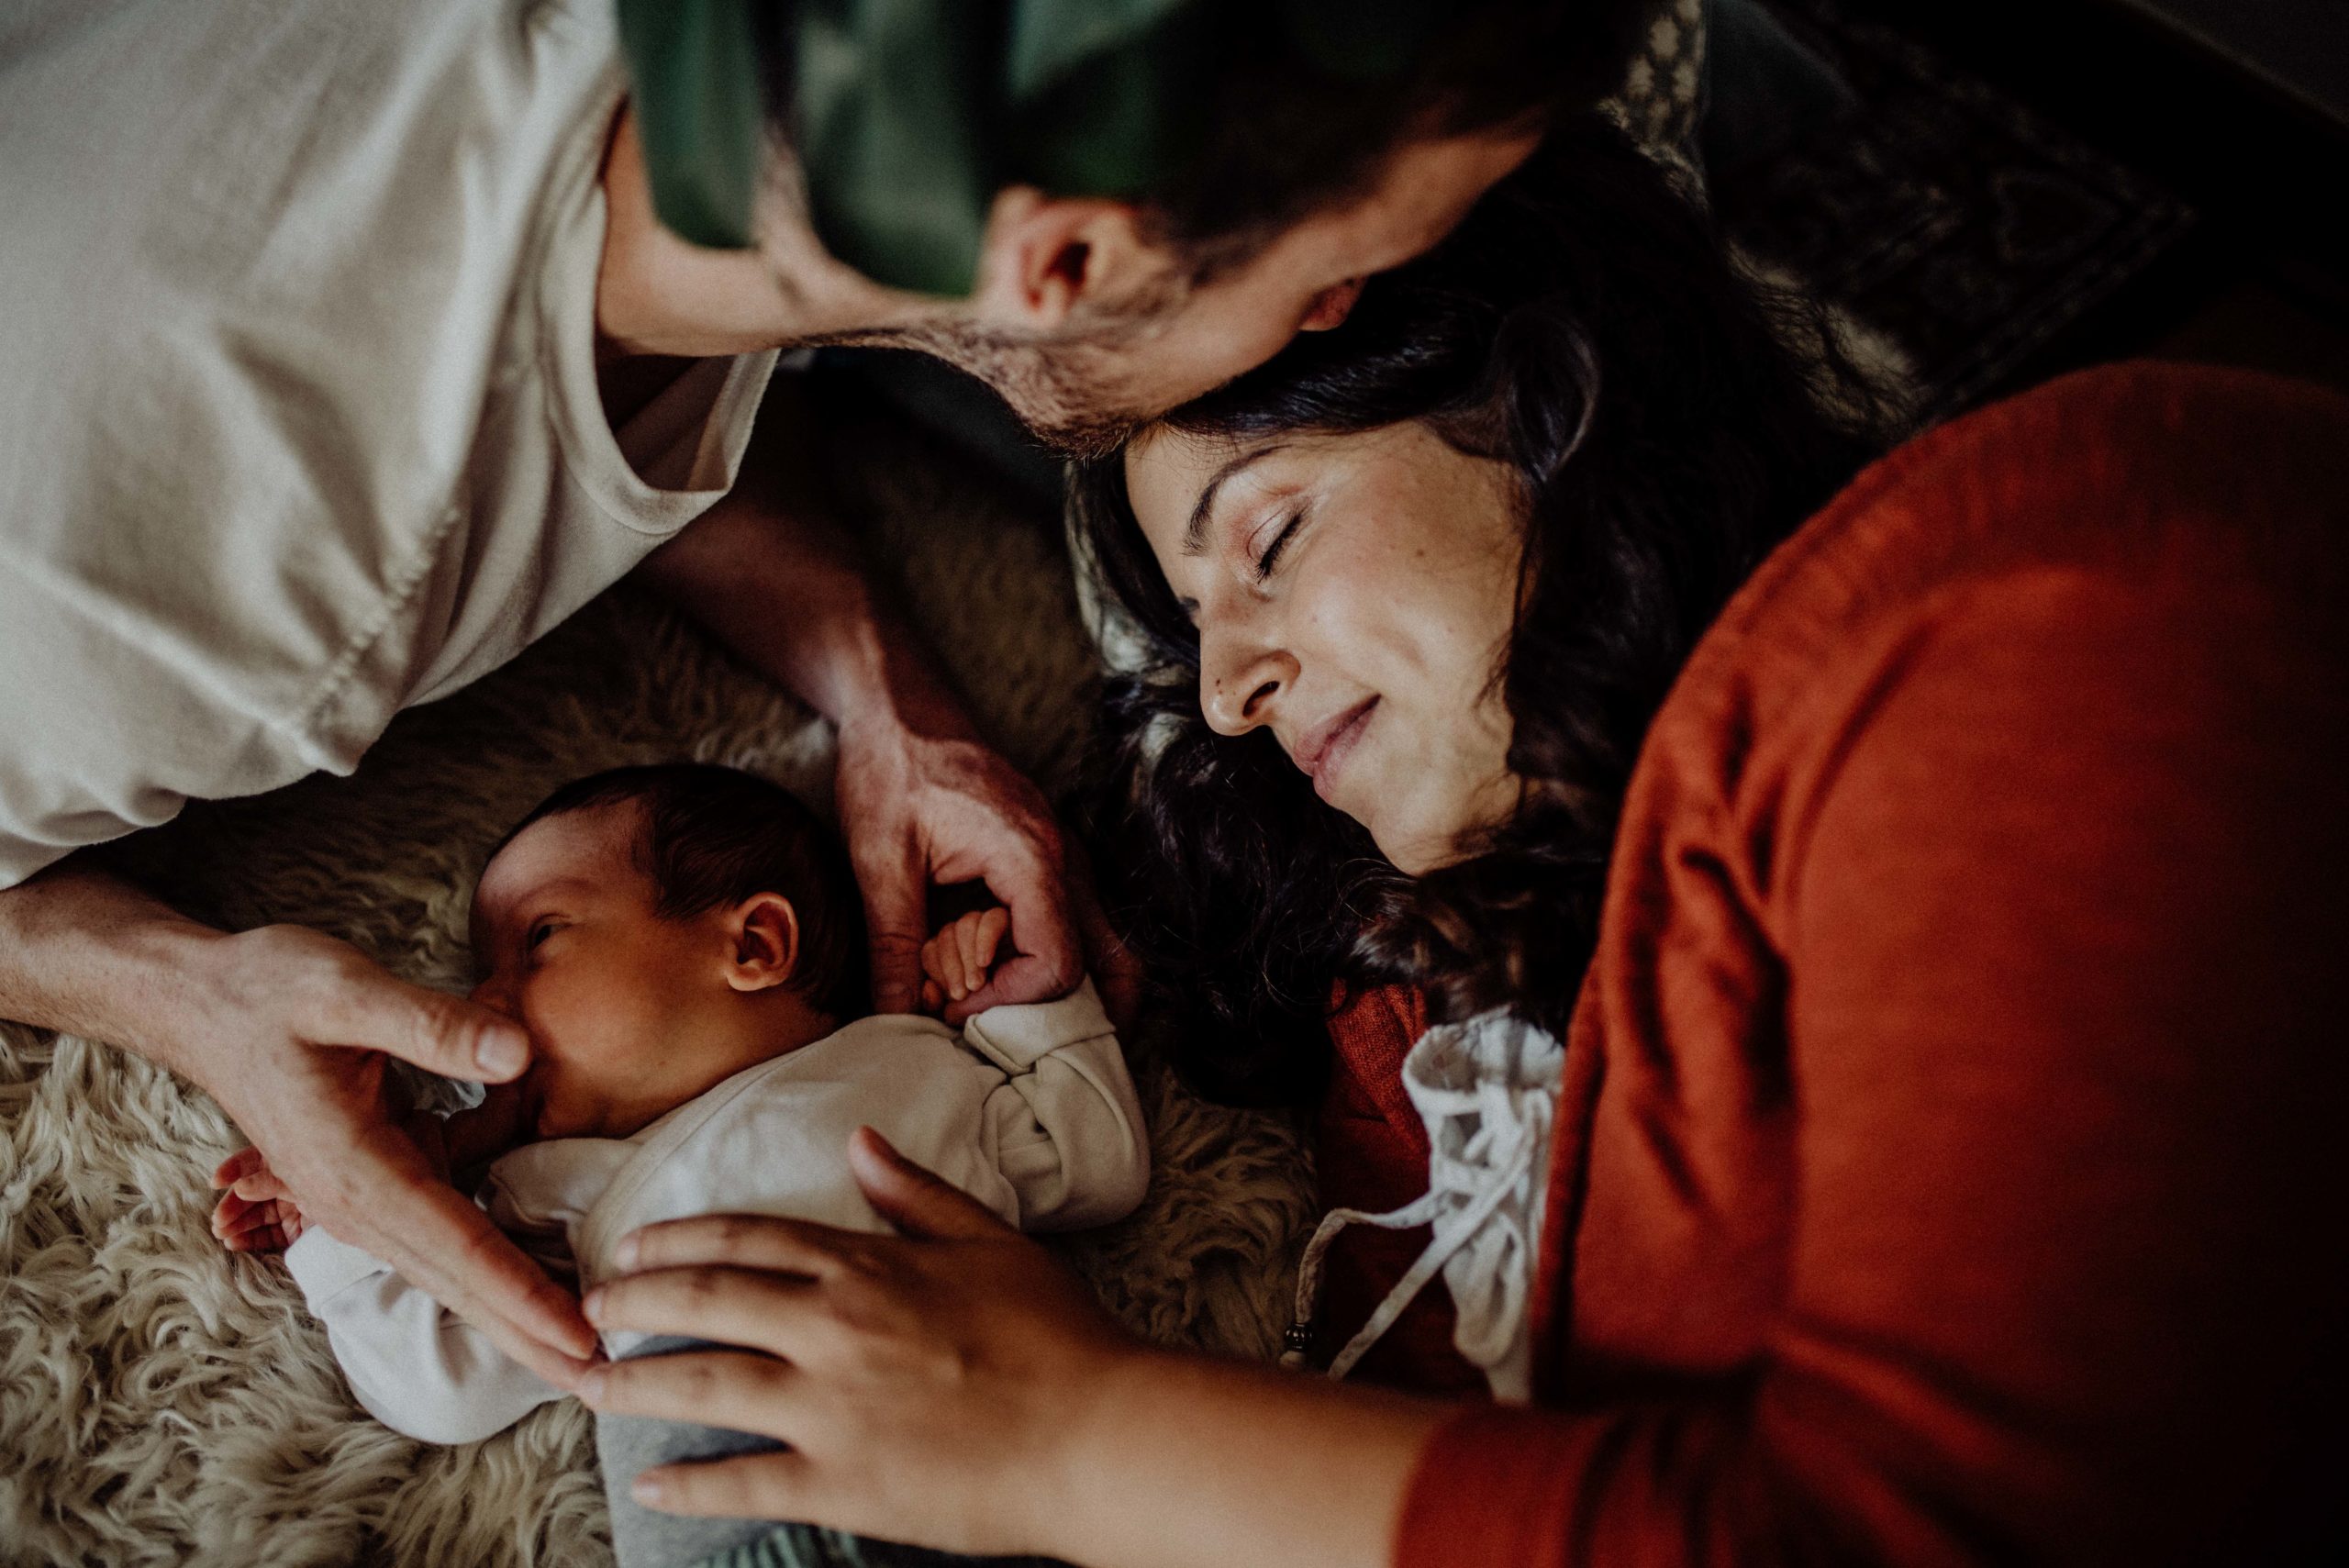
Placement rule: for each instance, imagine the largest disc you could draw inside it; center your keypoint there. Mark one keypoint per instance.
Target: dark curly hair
(1585, 325)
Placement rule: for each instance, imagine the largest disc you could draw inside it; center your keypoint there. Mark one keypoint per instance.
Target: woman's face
(1354, 593)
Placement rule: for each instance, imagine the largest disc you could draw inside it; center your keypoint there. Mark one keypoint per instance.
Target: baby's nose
(494, 995)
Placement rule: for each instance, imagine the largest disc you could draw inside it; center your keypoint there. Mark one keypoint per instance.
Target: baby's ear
(764, 931)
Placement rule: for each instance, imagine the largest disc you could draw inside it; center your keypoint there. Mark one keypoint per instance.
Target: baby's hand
(257, 1213)
(955, 961)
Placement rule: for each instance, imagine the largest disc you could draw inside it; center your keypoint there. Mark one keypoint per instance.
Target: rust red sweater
(1951, 1165)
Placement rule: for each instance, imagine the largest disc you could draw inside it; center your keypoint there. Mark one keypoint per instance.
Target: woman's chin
(1417, 847)
(1415, 854)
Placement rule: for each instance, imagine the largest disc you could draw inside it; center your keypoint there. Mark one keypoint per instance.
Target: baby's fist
(257, 1213)
(955, 961)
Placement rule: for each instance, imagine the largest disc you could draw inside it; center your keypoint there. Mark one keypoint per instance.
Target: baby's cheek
(568, 1015)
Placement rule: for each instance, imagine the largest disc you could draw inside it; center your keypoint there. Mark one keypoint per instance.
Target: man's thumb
(445, 1034)
(911, 1198)
(895, 929)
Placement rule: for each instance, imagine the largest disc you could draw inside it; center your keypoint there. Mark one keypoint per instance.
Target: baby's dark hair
(713, 836)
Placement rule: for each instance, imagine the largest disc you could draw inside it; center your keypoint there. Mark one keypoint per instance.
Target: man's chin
(1088, 436)
(1067, 395)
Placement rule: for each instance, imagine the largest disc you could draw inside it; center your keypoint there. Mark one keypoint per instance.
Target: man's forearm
(772, 575)
(923, 801)
(787, 593)
(84, 952)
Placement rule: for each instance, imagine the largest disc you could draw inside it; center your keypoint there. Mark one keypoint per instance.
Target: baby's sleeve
(412, 1364)
(1065, 1127)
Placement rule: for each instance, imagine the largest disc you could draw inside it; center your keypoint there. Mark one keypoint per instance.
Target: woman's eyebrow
(1195, 532)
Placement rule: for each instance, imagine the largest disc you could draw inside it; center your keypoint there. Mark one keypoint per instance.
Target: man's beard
(1066, 389)
(1063, 393)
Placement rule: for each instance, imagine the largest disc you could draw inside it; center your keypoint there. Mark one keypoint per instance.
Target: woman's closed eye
(1270, 556)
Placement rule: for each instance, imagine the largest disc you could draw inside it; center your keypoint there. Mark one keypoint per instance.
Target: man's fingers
(799, 1247)
(734, 1307)
(1028, 978)
(1035, 904)
(749, 1486)
(894, 930)
(443, 1243)
(711, 1388)
(1048, 964)
(1116, 972)
(913, 1199)
(439, 1032)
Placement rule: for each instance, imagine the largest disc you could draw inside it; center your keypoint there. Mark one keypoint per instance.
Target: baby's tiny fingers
(260, 1239)
(243, 1162)
(950, 975)
(261, 1186)
(992, 926)
(966, 930)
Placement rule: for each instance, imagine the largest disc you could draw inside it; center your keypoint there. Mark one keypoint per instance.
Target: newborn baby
(685, 945)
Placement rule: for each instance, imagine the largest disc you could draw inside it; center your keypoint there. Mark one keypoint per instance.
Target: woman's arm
(956, 1387)
(2063, 911)
(2064, 919)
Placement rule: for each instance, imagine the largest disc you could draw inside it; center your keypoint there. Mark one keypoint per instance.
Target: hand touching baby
(259, 1213)
(954, 962)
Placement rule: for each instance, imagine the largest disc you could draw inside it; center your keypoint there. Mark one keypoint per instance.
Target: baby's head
(660, 929)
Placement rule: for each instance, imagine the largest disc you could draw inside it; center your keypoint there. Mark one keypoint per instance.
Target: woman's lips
(1323, 750)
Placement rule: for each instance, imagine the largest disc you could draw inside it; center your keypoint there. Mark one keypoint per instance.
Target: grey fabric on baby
(625, 1446)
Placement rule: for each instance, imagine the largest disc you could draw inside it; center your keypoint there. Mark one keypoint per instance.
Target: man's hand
(290, 1030)
(259, 1213)
(922, 798)
(918, 809)
(295, 1046)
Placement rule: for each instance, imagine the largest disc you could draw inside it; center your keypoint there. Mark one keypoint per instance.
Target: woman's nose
(1238, 695)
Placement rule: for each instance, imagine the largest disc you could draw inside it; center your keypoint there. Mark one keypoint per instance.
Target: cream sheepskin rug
(163, 1403)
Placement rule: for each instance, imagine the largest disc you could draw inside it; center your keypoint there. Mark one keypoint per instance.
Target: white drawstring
(1488, 1142)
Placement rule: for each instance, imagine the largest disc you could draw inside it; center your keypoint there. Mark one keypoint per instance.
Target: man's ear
(1043, 257)
(764, 931)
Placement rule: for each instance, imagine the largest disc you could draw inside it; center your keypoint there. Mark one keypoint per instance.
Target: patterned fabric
(1661, 99)
(804, 1546)
(1947, 220)
(1485, 1091)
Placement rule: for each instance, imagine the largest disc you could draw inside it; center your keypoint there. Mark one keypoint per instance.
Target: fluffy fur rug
(162, 1403)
